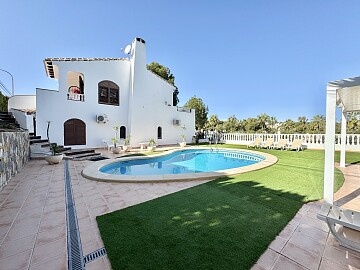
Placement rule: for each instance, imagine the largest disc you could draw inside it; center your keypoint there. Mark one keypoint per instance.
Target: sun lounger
(296, 145)
(333, 216)
(107, 145)
(269, 143)
(281, 144)
(255, 143)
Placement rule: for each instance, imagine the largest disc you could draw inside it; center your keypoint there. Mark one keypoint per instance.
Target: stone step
(39, 141)
(85, 156)
(78, 152)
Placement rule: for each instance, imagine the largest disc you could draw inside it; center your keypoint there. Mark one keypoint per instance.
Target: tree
(252, 125)
(213, 123)
(288, 126)
(263, 120)
(164, 72)
(317, 124)
(232, 124)
(353, 122)
(201, 111)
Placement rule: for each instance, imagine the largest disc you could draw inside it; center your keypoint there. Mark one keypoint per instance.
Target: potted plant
(151, 145)
(55, 156)
(127, 146)
(115, 150)
(183, 136)
(183, 143)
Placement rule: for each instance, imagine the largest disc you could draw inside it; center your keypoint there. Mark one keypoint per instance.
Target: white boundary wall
(310, 141)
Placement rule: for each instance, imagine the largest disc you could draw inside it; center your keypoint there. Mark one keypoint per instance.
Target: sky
(242, 58)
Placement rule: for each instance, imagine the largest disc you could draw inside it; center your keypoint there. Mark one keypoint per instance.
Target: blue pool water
(184, 161)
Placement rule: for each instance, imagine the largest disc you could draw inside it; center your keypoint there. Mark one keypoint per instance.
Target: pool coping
(92, 172)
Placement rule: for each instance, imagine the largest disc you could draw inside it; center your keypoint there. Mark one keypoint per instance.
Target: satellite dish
(127, 49)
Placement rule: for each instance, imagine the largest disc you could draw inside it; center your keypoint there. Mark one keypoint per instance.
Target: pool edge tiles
(92, 172)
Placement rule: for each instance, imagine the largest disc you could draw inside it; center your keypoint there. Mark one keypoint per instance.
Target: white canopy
(346, 95)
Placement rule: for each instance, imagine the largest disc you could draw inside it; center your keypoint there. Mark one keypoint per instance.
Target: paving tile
(326, 264)
(341, 255)
(53, 234)
(9, 248)
(48, 224)
(283, 263)
(57, 263)
(278, 244)
(17, 261)
(267, 259)
(258, 267)
(22, 228)
(307, 243)
(43, 253)
(302, 256)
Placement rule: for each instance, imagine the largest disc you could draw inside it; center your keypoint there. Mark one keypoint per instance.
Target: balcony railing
(183, 109)
(76, 97)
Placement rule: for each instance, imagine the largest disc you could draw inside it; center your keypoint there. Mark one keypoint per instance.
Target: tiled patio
(33, 222)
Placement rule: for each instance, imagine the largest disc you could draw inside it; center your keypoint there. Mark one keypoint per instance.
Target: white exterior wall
(142, 106)
(55, 107)
(24, 120)
(22, 102)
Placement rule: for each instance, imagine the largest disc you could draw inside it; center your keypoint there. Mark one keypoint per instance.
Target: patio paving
(33, 220)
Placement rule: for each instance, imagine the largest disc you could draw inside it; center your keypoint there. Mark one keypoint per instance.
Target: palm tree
(318, 123)
(263, 120)
(288, 126)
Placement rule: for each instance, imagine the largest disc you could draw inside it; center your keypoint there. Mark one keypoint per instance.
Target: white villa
(97, 94)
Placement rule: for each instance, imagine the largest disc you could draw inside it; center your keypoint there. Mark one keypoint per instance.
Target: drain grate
(75, 256)
(94, 255)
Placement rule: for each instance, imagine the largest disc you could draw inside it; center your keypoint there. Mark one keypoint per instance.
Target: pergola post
(329, 144)
(343, 138)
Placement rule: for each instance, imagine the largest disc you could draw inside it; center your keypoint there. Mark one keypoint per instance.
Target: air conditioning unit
(101, 118)
(176, 122)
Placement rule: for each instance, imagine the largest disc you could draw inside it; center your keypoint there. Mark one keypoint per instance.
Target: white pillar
(329, 144)
(343, 138)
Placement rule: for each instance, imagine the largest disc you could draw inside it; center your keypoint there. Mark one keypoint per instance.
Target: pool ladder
(216, 146)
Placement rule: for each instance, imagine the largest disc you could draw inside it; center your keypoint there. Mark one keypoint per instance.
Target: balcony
(75, 93)
(76, 97)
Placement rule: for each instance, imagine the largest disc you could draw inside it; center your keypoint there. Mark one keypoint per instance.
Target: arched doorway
(74, 132)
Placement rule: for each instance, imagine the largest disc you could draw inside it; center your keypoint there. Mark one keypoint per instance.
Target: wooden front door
(74, 132)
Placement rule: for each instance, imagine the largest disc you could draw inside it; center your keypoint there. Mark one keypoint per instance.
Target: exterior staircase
(39, 148)
(7, 120)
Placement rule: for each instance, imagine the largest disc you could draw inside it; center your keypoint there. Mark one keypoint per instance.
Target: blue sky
(242, 58)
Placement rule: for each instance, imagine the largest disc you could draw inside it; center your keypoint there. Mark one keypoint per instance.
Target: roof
(52, 72)
(348, 93)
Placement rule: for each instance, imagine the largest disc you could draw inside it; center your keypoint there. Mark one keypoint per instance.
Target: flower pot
(151, 148)
(54, 159)
(116, 150)
(182, 144)
(127, 148)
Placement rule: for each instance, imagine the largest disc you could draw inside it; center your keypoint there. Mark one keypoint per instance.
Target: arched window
(122, 132)
(108, 93)
(159, 132)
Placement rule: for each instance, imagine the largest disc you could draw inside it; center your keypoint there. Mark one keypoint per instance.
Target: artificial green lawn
(223, 224)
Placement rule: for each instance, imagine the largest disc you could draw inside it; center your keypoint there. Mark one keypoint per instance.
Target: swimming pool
(179, 165)
(184, 161)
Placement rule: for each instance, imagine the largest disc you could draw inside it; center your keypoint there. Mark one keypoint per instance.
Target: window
(159, 132)
(108, 93)
(122, 132)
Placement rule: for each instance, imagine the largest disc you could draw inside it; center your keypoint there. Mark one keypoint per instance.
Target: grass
(224, 224)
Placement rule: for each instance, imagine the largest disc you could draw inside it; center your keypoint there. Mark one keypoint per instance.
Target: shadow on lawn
(217, 225)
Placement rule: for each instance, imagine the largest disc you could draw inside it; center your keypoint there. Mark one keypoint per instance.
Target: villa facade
(96, 94)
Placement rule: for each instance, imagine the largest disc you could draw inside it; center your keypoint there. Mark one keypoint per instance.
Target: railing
(310, 141)
(76, 97)
(183, 109)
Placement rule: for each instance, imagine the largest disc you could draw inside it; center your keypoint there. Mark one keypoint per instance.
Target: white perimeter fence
(310, 141)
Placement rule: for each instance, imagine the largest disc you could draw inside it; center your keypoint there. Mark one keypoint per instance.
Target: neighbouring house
(96, 94)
